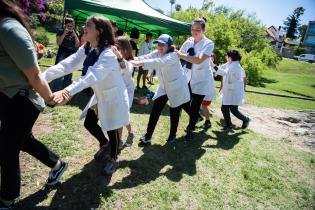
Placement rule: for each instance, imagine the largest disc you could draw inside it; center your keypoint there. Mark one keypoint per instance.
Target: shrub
(253, 67)
(298, 50)
(42, 38)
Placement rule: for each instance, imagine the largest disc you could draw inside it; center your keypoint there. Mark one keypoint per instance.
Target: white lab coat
(106, 81)
(212, 93)
(233, 83)
(199, 74)
(172, 80)
(128, 80)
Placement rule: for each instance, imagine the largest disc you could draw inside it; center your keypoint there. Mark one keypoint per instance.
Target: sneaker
(189, 135)
(171, 139)
(55, 175)
(110, 167)
(199, 118)
(129, 140)
(227, 128)
(206, 125)
(6, 207)
(246, 123)
(144, 141)
(101, 153)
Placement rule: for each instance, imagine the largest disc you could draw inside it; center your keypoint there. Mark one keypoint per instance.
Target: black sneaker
(189, 135)
(171, 139)
(5, 207)
(227, 128)
(110, 167)
(206, 125)
(55, 175)
(144, 141)
(246, 123)
(129, 140)
(102, 153)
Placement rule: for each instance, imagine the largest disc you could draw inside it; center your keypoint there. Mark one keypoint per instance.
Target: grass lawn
(241, 170)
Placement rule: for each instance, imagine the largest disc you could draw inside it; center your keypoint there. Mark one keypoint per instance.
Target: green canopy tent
(128, 14)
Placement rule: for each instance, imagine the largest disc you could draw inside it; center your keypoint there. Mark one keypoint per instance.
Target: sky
(270, 12)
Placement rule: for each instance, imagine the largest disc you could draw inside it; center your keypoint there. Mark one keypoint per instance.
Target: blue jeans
(62, 82)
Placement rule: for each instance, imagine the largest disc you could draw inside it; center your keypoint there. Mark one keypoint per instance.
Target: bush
(298, 50)
(42, 38)
(253, 67)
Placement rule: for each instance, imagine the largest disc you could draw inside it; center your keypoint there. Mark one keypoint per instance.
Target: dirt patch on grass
(43, 125)
(296, 126)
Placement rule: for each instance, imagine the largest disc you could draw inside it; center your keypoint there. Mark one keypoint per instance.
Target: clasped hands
(59, 98)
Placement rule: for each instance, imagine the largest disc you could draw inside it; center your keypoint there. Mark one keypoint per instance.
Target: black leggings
(234, 109)
(157, 108)
(193, 110)
(17, 116)
(90, 123)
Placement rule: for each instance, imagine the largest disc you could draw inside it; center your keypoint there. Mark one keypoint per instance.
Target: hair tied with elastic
(204, 19)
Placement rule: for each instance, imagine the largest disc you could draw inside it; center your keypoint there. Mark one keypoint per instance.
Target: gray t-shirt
(17, 53)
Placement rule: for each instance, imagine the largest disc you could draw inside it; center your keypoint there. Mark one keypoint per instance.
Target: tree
(178, 7)
(172, 2)
(302, 31)
(292, 22)
(207, 4)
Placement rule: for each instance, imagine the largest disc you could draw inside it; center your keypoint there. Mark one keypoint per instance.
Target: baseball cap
(164, 39)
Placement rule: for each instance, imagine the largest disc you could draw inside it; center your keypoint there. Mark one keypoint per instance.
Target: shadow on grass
(265, 80)
(81, 191)
(170, 160)
(226, 140)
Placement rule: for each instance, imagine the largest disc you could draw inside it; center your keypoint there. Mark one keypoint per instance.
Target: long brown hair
(123, 45)
(9, 8)
(106, 35)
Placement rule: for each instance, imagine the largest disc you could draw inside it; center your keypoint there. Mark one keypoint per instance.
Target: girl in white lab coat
(196, 51)
(233, 89)
(111, 99)
(124, 54)
(172, 85)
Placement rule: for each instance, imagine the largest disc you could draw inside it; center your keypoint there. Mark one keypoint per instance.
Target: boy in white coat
(233, 89)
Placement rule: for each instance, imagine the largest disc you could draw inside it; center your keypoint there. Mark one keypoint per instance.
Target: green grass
(241, 170)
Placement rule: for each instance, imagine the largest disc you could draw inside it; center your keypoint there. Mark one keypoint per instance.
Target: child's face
(90, 32)
(162, 48)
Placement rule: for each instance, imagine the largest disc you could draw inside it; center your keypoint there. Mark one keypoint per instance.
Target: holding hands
(59, 98)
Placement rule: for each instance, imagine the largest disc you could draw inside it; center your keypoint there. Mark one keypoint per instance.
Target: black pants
(157, 108)
(234, 109)
(193, 110)
(17, 116)
(92, 126)
(90, 123)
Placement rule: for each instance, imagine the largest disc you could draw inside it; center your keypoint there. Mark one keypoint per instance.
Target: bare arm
(39, 84)
(60, 38)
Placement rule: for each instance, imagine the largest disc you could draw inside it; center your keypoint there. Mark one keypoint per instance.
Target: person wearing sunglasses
(198, 75)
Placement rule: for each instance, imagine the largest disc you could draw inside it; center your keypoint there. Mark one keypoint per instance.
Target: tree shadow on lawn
(81, 191)
(171, 160)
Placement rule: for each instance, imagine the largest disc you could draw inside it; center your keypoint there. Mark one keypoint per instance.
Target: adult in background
(68, 42)
(198, 75)
(233, 89)
(134, 36)
(145, 48)
(22, 94)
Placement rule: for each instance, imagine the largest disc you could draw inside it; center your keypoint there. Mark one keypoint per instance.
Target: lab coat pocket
(112, 96)
(174, 87)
